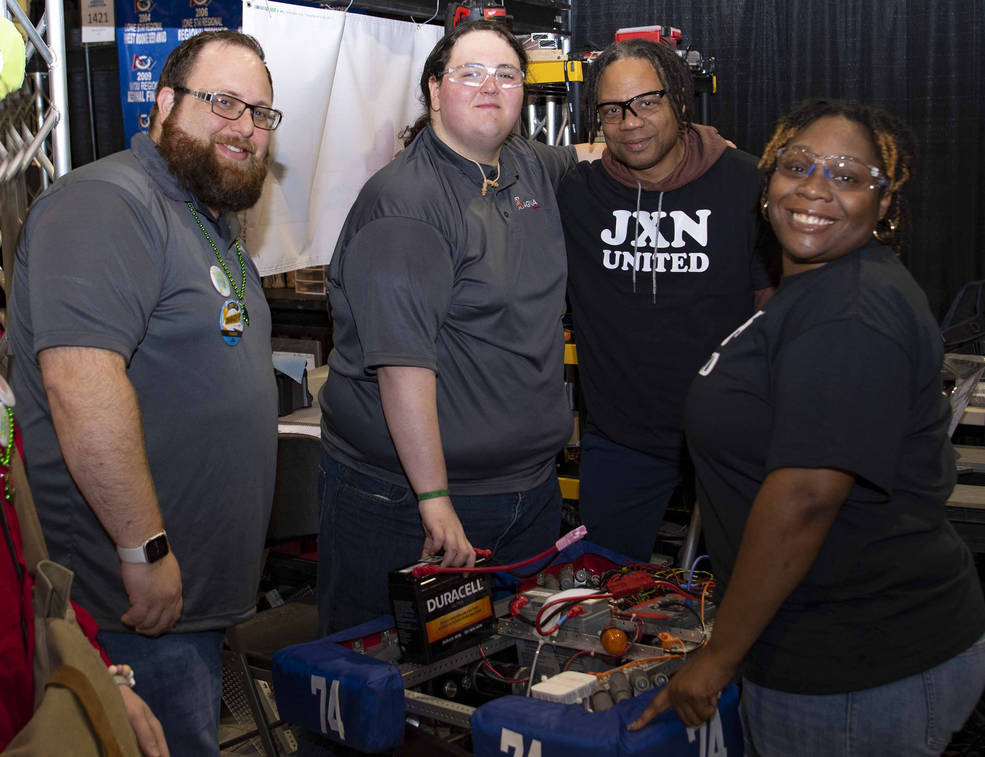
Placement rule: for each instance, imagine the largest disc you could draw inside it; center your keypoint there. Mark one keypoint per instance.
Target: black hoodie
(643, 331)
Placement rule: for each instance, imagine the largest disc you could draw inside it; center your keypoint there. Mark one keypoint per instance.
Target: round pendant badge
(231, 322)
(220, 280)
(6, 393)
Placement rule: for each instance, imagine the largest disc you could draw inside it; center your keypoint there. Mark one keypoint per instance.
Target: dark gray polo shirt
(427, 272)
(111, 257)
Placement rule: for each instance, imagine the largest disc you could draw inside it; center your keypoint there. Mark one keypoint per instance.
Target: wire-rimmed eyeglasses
(642, 105)
(844, 173)
(232, 108)
(476, 74)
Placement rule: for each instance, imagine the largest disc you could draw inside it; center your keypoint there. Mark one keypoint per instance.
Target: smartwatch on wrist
(150, 551)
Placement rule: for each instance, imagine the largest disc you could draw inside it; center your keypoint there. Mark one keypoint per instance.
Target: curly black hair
(670, 67)
(891, 138)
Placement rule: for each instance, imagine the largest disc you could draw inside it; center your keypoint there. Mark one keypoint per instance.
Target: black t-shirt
(841, 369)
(641, 338)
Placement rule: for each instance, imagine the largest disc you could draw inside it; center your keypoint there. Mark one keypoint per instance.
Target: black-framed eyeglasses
(844, 173)
(232, 108)
(640, 106)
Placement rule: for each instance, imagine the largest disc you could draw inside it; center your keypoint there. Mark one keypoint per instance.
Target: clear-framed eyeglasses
(476, 74)
(641, 106)
(232, 108)
(844, 173)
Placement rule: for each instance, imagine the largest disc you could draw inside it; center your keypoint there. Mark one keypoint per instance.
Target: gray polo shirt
(110, 257)
(427, 272)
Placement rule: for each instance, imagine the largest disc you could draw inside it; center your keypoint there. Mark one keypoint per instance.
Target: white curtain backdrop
(348, 84)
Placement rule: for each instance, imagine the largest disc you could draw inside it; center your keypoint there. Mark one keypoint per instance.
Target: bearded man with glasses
(666, 255)
(142, 366)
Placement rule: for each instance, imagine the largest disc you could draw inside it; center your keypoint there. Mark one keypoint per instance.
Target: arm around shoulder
(589, 151)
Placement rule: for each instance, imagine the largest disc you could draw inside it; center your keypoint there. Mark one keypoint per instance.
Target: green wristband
(433, 495)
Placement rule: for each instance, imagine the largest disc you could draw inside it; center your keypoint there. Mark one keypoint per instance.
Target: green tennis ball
(12, 60)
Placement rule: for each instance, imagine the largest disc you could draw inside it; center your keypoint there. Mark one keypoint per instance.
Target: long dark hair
(437, 62)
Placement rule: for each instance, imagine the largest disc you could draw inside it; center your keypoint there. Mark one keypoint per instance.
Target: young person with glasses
(666, 255)
(852, 610)
(444, 407)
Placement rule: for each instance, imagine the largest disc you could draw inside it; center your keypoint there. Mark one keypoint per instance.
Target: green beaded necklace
(5, 454)
(241, 291)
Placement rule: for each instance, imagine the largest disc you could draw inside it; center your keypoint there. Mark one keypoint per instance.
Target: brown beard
(220, 186)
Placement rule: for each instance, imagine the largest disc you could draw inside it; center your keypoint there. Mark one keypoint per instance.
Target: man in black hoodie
(666, 255)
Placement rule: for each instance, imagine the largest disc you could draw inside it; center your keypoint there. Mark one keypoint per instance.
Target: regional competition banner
(147, 31)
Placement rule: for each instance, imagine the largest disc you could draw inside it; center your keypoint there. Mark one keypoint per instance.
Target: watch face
(156, 548)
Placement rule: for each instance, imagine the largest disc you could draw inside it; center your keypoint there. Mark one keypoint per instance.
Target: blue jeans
(369, 527)
(179, 675)
(914, 716)
(623, 495)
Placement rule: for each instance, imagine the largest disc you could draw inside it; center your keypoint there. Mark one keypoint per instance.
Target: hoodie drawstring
(656, 240)
(636, 233)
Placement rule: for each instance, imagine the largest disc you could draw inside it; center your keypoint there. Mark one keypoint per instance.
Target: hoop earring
(885, 230)
(764, 206)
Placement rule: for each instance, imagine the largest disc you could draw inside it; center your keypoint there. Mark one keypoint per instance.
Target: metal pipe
(550, 108)
(563, 130)
(39, 110)
(32, 33)
(92, 115)
(16, 143)
(58, 86)
(33, 150)
(42, 28)
(690, 548)
(531, 118)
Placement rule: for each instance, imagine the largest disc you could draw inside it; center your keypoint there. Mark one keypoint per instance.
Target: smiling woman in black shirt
(818, 429)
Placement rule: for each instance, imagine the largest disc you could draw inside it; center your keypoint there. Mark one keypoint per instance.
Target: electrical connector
(570, 538)
(518, 604)
(569, 687)
(670, 643)
(628, 583)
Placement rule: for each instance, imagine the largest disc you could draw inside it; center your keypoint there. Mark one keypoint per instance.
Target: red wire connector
(420, 571)
(518, 604)
(567, 540)
(629, 583)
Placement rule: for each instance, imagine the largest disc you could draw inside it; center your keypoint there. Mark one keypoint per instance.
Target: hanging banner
(348, 85)
(147, 31)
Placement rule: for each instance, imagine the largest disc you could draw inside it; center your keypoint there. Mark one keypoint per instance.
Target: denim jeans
(179, 675)
(369, 527)
(623, 495)
(913, 716)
